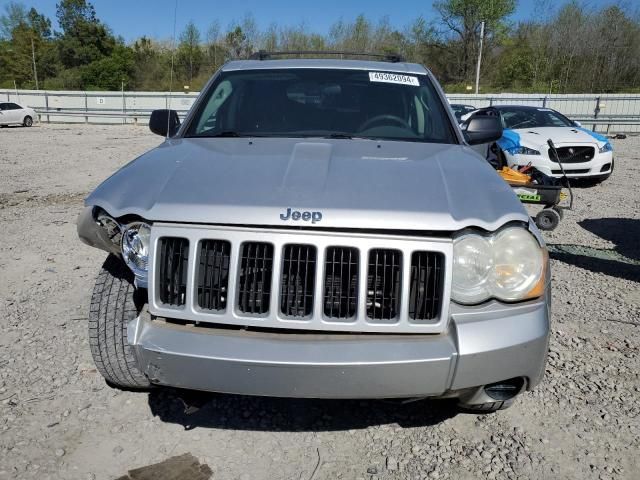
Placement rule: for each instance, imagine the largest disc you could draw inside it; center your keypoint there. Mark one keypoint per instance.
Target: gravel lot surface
(59, 420)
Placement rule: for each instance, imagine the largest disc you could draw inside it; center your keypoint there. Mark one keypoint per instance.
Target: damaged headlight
(508, 265)
(110, 226)
(135, 250)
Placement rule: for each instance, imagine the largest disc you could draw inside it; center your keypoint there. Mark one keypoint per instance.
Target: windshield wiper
(339, 135)
(226, 133)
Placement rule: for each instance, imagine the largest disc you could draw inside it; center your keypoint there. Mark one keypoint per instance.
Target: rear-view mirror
(164, 122)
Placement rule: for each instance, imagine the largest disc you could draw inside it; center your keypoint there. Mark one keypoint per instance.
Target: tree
(214, 52)
(14, 14)
(189, 56)
(462, 19)
(236, 42)
(84, 39)
(567, 44)
(40, 24)
(110, 72)
(29, 44)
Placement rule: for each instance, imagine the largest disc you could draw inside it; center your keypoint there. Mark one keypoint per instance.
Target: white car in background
(584, 154)
(13, 114)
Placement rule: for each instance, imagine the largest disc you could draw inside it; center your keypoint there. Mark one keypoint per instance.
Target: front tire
(113, 306)
(28, 121)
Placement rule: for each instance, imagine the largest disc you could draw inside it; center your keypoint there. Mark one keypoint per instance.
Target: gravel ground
(59, 420)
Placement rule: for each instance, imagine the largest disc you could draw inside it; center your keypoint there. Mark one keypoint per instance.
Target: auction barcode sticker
(393, 78)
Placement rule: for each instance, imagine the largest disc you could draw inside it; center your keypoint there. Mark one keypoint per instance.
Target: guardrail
(141, 117)
(135, 116)
(611, 112)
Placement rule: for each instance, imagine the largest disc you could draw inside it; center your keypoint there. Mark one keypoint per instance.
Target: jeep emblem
(296, 215)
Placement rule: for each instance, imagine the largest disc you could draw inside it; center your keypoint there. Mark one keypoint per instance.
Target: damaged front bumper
(483, 345)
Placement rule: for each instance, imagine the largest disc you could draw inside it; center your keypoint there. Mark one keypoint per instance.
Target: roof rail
(265, 55)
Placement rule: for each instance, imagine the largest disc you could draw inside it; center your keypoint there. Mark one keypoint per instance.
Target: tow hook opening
(506, 389)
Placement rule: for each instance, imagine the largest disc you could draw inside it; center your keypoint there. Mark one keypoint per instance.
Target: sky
(132, 19)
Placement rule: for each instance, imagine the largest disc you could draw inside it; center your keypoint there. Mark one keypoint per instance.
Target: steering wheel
(378, 118)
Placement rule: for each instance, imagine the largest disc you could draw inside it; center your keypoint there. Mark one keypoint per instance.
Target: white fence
(607, 113)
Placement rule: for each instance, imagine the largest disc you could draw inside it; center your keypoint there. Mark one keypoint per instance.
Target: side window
(208, 120)
(13, 106)
(3, 106)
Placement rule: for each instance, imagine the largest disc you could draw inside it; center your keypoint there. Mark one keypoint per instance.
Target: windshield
(533, 117)
(460, 110)
(322, 103)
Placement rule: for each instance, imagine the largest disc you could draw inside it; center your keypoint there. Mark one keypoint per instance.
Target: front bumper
(483, 345)
(600, 165)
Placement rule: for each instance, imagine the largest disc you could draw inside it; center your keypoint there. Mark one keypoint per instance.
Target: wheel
(115, 301)
(559, 210)
(28, 121)
(489, 407)
(547, 219)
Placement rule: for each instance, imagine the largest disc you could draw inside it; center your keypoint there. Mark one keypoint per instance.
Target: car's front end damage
(579, 152)
(331, 309)
(324, 267)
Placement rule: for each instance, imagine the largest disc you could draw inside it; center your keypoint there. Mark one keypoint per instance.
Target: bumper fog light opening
(506, 389)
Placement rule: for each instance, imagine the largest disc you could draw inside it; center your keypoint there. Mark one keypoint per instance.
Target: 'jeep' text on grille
(299, 215)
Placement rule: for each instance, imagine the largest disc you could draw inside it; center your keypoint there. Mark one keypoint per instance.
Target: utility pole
(479, 57)
(33, 57)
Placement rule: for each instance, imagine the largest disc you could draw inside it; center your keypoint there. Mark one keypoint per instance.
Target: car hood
(536, 138)
(351, 183)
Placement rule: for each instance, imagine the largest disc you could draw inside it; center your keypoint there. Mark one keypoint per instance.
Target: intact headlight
(527, 151)
(135, 249)
(606, 148)
(508, 266)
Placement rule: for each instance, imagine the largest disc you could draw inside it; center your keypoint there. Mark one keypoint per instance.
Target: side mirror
(164, 122)
(482, 129)
(577, 124)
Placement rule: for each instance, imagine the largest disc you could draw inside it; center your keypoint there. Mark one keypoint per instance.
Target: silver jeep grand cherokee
(318, 228)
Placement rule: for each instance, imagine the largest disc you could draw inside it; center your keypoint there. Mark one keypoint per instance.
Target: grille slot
(172, 285)
(383, 284)
(573, 154)
(569, 171)
(341, 282)
(213, 274)
(425, 285)
(297, 280)
(256, 269)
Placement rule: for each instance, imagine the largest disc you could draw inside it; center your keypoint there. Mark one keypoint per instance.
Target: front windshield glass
(532, 118)
(322, 103)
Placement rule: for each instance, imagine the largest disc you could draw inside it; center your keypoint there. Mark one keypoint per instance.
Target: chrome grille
(295, 279)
